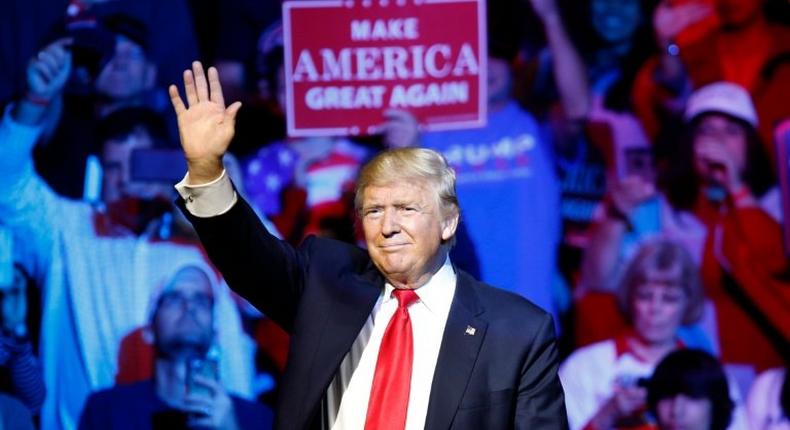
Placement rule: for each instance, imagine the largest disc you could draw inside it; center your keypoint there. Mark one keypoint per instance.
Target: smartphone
(91, 49)
(158, 165)
(207, 368)
(638, 161)
(6, 258)
(631, 381)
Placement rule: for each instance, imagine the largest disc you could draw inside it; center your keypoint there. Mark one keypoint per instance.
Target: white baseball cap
(722, 97)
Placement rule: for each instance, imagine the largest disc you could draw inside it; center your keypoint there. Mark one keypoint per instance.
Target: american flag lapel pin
(470, 330)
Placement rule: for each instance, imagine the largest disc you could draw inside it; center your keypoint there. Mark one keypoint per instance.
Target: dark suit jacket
(137, 407)
(503, 376)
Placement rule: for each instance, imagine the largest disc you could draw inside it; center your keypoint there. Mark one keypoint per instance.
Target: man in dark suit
(391, 337)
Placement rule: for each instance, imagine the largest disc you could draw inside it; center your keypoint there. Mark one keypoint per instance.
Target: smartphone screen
(6, 258)
(205, 367)
(158, 165)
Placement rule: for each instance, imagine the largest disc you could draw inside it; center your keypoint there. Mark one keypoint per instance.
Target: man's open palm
(205, 125)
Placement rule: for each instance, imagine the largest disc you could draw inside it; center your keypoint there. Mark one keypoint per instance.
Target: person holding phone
(605, 382)
(700, 42)
(110, 69)
(186, 391)
(99, 263)
(713, 199)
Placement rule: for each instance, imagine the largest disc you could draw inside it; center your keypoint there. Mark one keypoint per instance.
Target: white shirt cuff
(22, 133)
(209, 199)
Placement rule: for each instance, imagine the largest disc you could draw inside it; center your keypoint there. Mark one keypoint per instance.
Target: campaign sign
(348, 61)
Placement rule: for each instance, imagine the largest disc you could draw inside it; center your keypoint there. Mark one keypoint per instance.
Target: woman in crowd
(699, 42)
(710, 203)
(689, 391)
(604, 382)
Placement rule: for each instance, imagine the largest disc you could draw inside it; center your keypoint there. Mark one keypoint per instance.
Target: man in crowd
(389, 338)
(111, 70)
(181, 393)
(96, 265)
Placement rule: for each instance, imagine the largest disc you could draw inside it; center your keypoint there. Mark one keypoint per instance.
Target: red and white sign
(348, 61)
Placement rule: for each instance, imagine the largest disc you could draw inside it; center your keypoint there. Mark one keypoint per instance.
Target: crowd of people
(626, 181)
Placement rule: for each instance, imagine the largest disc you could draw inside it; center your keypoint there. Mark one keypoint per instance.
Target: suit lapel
(348, 312)
(463, 336)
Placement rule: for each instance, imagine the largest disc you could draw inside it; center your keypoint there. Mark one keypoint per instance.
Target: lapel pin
(470, 330)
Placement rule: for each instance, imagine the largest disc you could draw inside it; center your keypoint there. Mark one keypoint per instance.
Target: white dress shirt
(349, 392)
(209, 199)
(429, 313)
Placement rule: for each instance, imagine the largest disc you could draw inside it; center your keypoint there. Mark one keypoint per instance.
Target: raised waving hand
(205, 125)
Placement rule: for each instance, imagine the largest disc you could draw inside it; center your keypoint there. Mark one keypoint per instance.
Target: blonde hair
(411, 165)
(663, 256)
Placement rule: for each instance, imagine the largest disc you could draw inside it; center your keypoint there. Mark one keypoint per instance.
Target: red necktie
(389, 397)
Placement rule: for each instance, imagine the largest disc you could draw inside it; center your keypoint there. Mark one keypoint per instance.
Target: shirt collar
(622, 346)
(437, 294)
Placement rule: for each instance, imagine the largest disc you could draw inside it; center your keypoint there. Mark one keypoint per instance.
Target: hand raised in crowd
(214, 409)
(720, 166)
(544, 8)
(46, 75)
(627, 193)
(205, 125)
(48, 72)
(400, 129)
(670, 20)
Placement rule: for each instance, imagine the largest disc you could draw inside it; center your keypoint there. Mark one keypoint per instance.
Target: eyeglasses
(174, 299)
